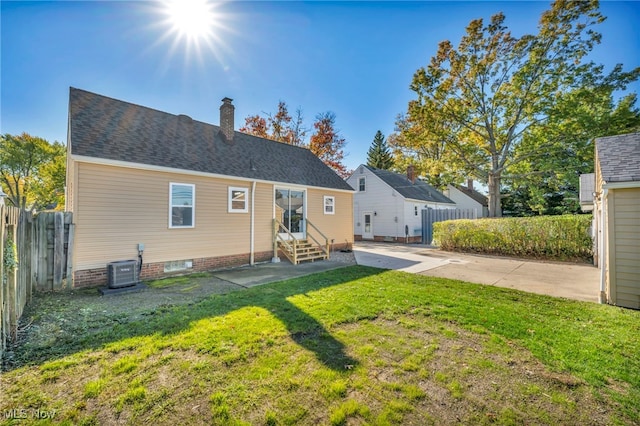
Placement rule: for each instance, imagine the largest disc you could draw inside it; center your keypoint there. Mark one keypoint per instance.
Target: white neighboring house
(387, 206)
(468, 198)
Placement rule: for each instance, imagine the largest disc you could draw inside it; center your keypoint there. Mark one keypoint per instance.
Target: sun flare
(192, 19)
(195, 30)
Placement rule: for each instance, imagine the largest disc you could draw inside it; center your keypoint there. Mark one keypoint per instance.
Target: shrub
(564, 237)
(9, 259)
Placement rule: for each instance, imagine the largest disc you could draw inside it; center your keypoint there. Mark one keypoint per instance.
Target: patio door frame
(301, 235)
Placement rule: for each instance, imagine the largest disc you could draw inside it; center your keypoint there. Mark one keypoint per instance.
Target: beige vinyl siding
(338, 226)
(625, 255)
(70, 184)
(264, 217)
(598, 171)
(116, 208)
(603, 228)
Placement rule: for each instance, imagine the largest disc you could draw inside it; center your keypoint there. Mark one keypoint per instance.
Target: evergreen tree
(379, 155)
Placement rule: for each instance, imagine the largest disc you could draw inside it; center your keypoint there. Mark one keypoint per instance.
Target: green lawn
(355, 345)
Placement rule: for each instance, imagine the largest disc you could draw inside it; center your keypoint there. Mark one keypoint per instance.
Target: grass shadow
(168, 320)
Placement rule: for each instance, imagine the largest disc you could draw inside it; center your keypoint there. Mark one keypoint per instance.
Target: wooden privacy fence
(431, 216)
(43, 243)
(10, 303)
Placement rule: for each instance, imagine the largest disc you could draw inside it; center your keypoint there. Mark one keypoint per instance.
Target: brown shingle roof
(108, 128)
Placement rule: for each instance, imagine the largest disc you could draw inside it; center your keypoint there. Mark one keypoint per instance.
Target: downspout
(603, 246)
(396, 218)
(252, 225)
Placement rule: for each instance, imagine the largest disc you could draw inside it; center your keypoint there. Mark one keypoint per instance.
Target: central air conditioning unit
(123, 273)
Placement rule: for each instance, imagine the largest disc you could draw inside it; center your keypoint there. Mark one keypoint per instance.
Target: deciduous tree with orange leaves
(281, 126)
(327, 144)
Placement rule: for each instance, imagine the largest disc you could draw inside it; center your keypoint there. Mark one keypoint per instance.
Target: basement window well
(178, 265)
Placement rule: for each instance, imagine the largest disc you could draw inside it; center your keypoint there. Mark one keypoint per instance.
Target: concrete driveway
(569, 280)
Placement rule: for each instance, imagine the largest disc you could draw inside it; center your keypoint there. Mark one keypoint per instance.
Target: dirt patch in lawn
(444, 374)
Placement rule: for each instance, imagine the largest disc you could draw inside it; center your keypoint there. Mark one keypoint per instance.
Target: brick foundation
(90, 277)
(98, 277)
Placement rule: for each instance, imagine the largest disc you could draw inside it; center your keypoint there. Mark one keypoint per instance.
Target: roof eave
(621, 185)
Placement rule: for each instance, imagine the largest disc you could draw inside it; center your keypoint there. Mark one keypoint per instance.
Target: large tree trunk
(495, 205)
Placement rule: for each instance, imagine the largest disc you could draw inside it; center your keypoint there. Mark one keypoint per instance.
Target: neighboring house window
(415, 210)
(329, 205)
(182, 198)
(238, 200)
(362, 184)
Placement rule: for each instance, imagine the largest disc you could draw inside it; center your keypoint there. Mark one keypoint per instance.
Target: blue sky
(353, 58)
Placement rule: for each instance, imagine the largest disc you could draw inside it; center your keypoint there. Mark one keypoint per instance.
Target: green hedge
(564, 237)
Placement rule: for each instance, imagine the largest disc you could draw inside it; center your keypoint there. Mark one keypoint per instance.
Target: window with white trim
(362, 184)
(182, 198)
(415, 210)
(238, 200)
(329, 204)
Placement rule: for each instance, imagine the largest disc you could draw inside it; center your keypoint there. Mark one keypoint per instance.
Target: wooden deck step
(305, 251)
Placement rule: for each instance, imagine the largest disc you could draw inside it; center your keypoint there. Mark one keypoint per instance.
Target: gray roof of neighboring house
(108, 128)
(474, 195)
(418, 190)
(619, 157)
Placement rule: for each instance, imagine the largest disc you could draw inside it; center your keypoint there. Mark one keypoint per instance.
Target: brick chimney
(470, 184)
(411, 174)
(226, 118)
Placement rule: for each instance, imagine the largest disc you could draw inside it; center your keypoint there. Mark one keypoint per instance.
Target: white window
(415, 210)
(238, 200)
(182, 198)
(362, 184)
(329, 204)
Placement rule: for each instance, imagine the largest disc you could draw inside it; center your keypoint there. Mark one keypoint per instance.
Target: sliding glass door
(290, 211)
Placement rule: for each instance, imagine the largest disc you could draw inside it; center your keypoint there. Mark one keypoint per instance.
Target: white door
(367, 226)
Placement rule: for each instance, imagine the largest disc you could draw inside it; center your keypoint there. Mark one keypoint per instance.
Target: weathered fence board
(69, 257)
(9, 294)
(431, 216)
(43, 242)
(59, 264)
(42, 254)
(2, 296)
